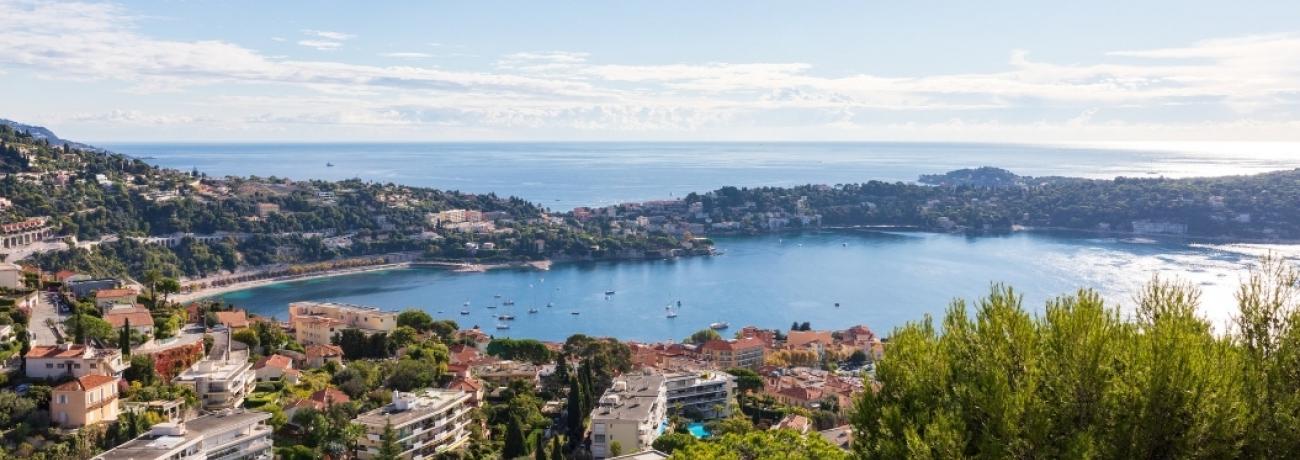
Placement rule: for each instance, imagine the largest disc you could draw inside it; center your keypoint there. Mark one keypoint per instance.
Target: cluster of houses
(667, 378)
(684, 219)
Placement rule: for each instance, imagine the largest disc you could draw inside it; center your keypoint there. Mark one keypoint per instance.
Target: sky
(995, 71)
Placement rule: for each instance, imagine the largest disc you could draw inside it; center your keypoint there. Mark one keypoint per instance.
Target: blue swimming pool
(698, 430)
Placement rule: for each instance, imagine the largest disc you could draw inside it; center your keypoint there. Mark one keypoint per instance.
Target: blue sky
(1025, 71)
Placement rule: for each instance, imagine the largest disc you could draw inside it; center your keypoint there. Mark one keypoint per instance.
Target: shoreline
(459, 267)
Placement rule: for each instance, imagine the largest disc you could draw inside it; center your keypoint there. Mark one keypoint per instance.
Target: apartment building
(748, 353)
(68, 360)
(632, 413)
(221, 380)
(707, 394)
(227, 435)
(315, 323)
(427, 422)
(86, 400)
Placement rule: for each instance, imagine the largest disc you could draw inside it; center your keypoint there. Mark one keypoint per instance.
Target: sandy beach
(454, 266)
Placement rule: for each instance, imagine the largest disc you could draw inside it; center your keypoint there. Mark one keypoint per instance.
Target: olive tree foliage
(1083, 379)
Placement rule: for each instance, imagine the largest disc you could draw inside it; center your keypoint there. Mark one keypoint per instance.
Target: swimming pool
(698, 430)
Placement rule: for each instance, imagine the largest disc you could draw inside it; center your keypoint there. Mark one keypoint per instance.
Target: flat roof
(149, 446)
(421, 403)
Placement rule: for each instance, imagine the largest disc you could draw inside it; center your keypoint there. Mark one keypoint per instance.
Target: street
(46, 311)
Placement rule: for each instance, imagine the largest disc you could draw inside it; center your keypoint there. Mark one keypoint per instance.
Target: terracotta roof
(330, 396)
(48, 352)
(277, 361)
(139, 316)
(471, 385)
(323, 351)
(106, 293)
(86, 382)
(235, 319)
(731, 345)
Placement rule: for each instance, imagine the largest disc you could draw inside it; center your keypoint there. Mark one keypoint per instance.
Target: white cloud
(406, 55)
(1247, 84)
(328, 35)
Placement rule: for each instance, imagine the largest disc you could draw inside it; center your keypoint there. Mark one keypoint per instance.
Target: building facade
(632, 413)
(86, 400)
(221, 380)
(67, 360)
(427, 422)
(707, 394)
(747, 353)
(316, 323)
(227, 435)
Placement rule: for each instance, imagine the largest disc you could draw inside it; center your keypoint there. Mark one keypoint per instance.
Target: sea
(831, 279)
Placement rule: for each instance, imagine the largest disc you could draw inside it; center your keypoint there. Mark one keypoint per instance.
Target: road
(46, 309)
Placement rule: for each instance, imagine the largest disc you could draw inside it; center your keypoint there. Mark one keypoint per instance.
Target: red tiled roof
(464, 384)
(330, 396)
(731, 345)
(47, 352)
(86, 382)
(277, 361)
(139, 316)
(106, 293)
(323, 351)
(235, 319)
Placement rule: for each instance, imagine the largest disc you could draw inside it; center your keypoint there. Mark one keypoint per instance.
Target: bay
(880, 279)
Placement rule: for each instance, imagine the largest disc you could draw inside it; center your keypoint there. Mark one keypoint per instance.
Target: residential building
(276, 367)
(86, 400)
(318, 355)
(83, 286)
(221, 380)
(427, 422)
(6, 333)
(316, 323)
(20, 234)
(748, 353)
(706, 393)
(841, 436)
(633, 413)
(226, 435)
(233, 319)
(11, 276)
(68, 360)
(320, 401)
(793, 422)
(137, 316)
(502, 373)
(107, 298)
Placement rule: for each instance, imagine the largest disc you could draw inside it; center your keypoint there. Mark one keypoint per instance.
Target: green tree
(615, 448)
(762, 445)
(124, 339)
(247, 337)
(415, 319)
(703, 335)
(516, 445)
(670, 442)
(389, 449)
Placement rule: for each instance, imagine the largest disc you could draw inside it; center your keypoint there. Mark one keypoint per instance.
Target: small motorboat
(532, 310)
(719, 326)
(609, 292)
(464, 312)
(508, 302)
(498, 296)
(574, 313)
(672, 314)
(837, 305)
(549, 305)
(506, 317)
(329, 165)
(503, 326)
(492, 306)
(466, 303)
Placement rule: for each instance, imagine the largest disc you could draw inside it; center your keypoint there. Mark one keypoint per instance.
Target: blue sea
(881, 279)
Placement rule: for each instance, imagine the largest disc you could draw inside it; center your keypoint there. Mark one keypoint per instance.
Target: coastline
(464, 267)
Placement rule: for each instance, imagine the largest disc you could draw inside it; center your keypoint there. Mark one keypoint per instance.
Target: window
(49, 365)
(63, 399)
(598, 438)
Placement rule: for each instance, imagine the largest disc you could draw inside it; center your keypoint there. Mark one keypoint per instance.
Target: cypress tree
(124, 339)
(539, 451)
(573, 408)
(557, 449)
(515, 445)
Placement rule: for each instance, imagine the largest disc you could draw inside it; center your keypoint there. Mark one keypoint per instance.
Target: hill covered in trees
(133, 218)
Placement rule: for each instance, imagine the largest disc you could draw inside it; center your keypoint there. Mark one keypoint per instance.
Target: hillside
(185, 223)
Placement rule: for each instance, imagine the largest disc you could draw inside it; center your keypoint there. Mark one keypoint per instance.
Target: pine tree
(124, 339)
(389, 449)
